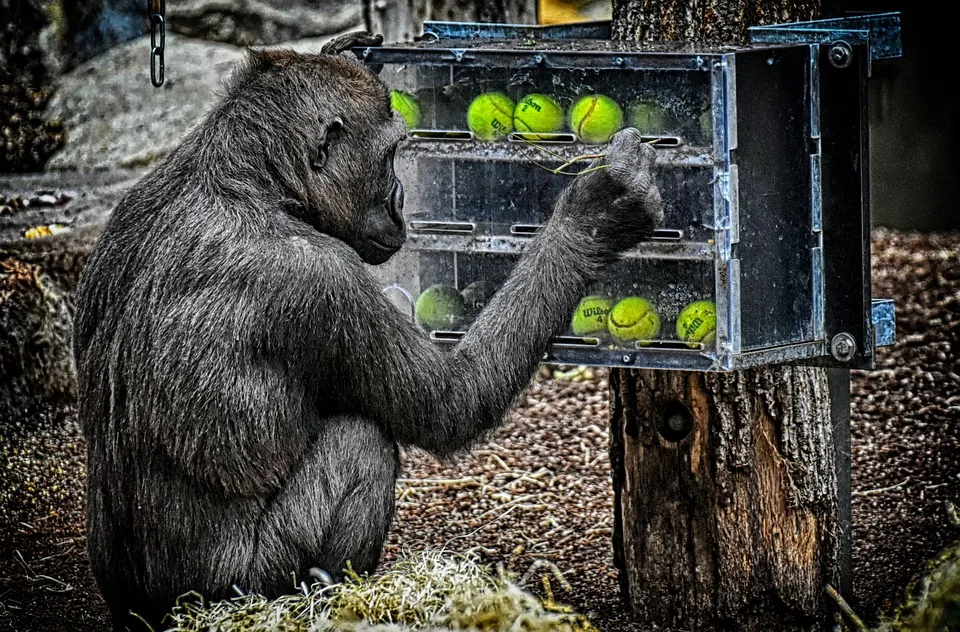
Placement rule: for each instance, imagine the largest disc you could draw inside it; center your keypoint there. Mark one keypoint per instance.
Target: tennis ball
(490, 115)
(634, 318)
(538, 113)
(595, 118)
(440, 307)
(476, 296)
(697, 322)
(590, 316)
(406, 106)
(651, 118)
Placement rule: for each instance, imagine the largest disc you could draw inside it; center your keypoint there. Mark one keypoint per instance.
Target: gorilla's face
(383, 231)
(359, 198)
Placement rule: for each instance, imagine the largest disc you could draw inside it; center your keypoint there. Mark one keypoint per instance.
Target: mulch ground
(541, 488)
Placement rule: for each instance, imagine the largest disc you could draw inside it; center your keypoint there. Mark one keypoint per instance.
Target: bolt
(840, 55)
(626, 359)
(843, 347)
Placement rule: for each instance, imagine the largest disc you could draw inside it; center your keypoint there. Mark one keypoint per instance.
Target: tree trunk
(727, 485)
(402, 20)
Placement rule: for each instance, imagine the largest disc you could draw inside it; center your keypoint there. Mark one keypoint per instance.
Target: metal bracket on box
(884, 322)
(880, 32)
(434, 30)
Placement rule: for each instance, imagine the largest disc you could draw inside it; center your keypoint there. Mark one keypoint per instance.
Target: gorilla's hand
(619, 204)
(348, 40)
(630, 164)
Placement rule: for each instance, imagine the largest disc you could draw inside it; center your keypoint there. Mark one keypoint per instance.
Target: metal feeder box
(762, 164)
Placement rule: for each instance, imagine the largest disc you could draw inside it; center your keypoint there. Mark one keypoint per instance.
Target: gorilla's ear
(348, 40)
(329, 133)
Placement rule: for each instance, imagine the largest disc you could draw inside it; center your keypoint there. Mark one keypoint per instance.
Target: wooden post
(726, 497)
(732, 506)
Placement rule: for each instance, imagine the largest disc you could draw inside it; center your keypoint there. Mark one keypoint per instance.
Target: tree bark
(736, 525)
(402, 20)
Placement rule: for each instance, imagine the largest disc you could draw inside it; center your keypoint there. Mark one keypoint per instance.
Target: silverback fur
(244, 384)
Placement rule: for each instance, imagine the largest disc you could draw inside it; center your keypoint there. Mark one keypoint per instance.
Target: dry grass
(433, 590)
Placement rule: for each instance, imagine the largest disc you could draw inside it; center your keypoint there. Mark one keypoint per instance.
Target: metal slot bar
(660, 234)
(667, 234)
(454, 228)
(525, 229)
(440, 134)
(541, 137)
(670, 344)
(662, 141)
(446, 336)
(574, 341)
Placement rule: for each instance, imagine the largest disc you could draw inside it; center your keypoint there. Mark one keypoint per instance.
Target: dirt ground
(540, 489)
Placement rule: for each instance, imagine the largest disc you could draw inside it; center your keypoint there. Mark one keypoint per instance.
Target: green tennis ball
(634, 318)
(476, 296)
(406, 106)
(651, 118)
(440, 307)
(590, 316)
(595, 118)
(697, 323)
(538, 113)
(490, 115)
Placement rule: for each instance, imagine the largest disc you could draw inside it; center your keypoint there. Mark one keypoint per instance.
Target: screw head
(840, 55)
(843, 347)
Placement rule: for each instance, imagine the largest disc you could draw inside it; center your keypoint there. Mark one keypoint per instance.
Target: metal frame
(841, 51)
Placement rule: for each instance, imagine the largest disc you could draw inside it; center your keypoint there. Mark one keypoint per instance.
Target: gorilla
(244, 384)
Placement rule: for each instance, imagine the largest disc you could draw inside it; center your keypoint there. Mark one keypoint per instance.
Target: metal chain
(158, 34)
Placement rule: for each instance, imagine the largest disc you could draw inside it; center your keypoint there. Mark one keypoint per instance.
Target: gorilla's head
(326, 136)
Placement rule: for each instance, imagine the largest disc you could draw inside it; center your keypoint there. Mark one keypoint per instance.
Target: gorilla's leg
(336, 508)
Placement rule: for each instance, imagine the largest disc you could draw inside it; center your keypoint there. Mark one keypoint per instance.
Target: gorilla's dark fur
(244, 384)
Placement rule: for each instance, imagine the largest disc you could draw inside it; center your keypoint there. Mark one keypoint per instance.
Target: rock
(94, 26)
(115, 118)
(254, 22)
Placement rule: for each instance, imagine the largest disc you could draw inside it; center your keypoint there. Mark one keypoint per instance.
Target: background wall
(914, 122)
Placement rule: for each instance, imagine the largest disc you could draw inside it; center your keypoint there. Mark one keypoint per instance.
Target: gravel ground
(540, 488)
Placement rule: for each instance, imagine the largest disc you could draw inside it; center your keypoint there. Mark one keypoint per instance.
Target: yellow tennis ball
(634, 318)
(538, 113)
(697, 322)
(490, 115)
(590, 316)
(595, 118)
(406, 106)
(651, 118)
(440, 307)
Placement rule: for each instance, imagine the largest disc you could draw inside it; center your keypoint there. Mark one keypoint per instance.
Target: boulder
(256, 22)
(114, 118)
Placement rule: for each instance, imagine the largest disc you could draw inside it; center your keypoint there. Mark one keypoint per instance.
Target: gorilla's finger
(348, 40)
